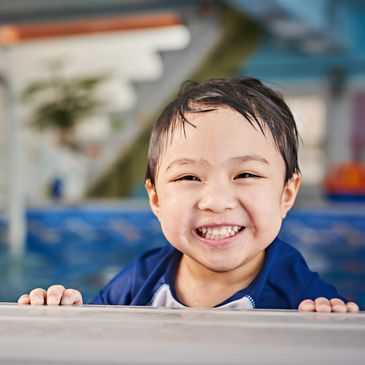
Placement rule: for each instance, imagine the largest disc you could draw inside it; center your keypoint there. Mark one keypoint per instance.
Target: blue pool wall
(84, 246)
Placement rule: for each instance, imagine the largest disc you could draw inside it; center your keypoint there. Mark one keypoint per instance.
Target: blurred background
(81, 83)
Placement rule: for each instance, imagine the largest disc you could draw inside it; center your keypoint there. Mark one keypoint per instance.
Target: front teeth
(216, 233)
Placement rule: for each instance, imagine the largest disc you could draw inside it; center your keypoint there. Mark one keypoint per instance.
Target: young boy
(222, 175)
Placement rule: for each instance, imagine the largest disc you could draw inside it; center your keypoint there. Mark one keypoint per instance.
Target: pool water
(83, 247)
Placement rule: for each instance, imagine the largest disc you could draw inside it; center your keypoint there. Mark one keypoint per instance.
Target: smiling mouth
(218, 233)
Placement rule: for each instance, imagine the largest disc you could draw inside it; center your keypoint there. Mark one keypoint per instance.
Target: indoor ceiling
(28, 11)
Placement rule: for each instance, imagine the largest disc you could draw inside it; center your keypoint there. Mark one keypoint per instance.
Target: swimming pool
(84, 246)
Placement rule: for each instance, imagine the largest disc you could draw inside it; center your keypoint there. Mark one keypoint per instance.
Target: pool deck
(138, 335)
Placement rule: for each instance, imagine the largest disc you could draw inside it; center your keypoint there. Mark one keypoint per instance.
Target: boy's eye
(188, 178)
(247, 175)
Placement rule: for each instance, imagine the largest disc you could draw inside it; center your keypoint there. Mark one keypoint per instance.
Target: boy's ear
(289, 194)
(152, 197)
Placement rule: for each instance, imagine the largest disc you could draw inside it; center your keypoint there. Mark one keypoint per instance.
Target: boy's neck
(198, 286)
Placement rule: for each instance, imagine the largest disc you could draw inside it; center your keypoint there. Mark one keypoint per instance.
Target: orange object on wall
(346, 178)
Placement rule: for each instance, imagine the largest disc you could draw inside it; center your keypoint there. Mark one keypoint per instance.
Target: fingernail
(67, 301)
(353, 307)
(52, 300)
(323, 308)
(37, 302)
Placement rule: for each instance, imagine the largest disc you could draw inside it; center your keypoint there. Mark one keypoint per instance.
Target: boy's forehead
(214, 128)
(215, 120)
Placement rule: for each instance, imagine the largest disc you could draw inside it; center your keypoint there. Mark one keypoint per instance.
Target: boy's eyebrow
(238, 159)
(186, 161)
(246, 158)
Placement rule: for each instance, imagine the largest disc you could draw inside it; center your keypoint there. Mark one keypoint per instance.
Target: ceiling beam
(10, 34)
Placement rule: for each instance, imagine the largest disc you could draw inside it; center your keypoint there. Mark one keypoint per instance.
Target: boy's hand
(55, 295)
(324, 305)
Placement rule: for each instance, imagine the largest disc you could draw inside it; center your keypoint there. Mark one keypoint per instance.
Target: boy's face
(219, 192)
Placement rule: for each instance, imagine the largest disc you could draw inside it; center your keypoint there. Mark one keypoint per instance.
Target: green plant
(62, 102)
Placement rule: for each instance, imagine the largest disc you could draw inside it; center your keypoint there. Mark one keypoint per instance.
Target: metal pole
(16, 202)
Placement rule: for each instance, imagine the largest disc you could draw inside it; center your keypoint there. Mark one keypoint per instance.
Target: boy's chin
(221, 267)
(231, 263)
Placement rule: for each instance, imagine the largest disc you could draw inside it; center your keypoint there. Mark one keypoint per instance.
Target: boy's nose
(217, 198)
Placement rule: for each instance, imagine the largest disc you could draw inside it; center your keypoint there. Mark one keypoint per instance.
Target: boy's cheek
(175, 224)
(266, 224)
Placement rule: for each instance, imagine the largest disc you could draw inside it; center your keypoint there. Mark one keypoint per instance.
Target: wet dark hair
(260, 105)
